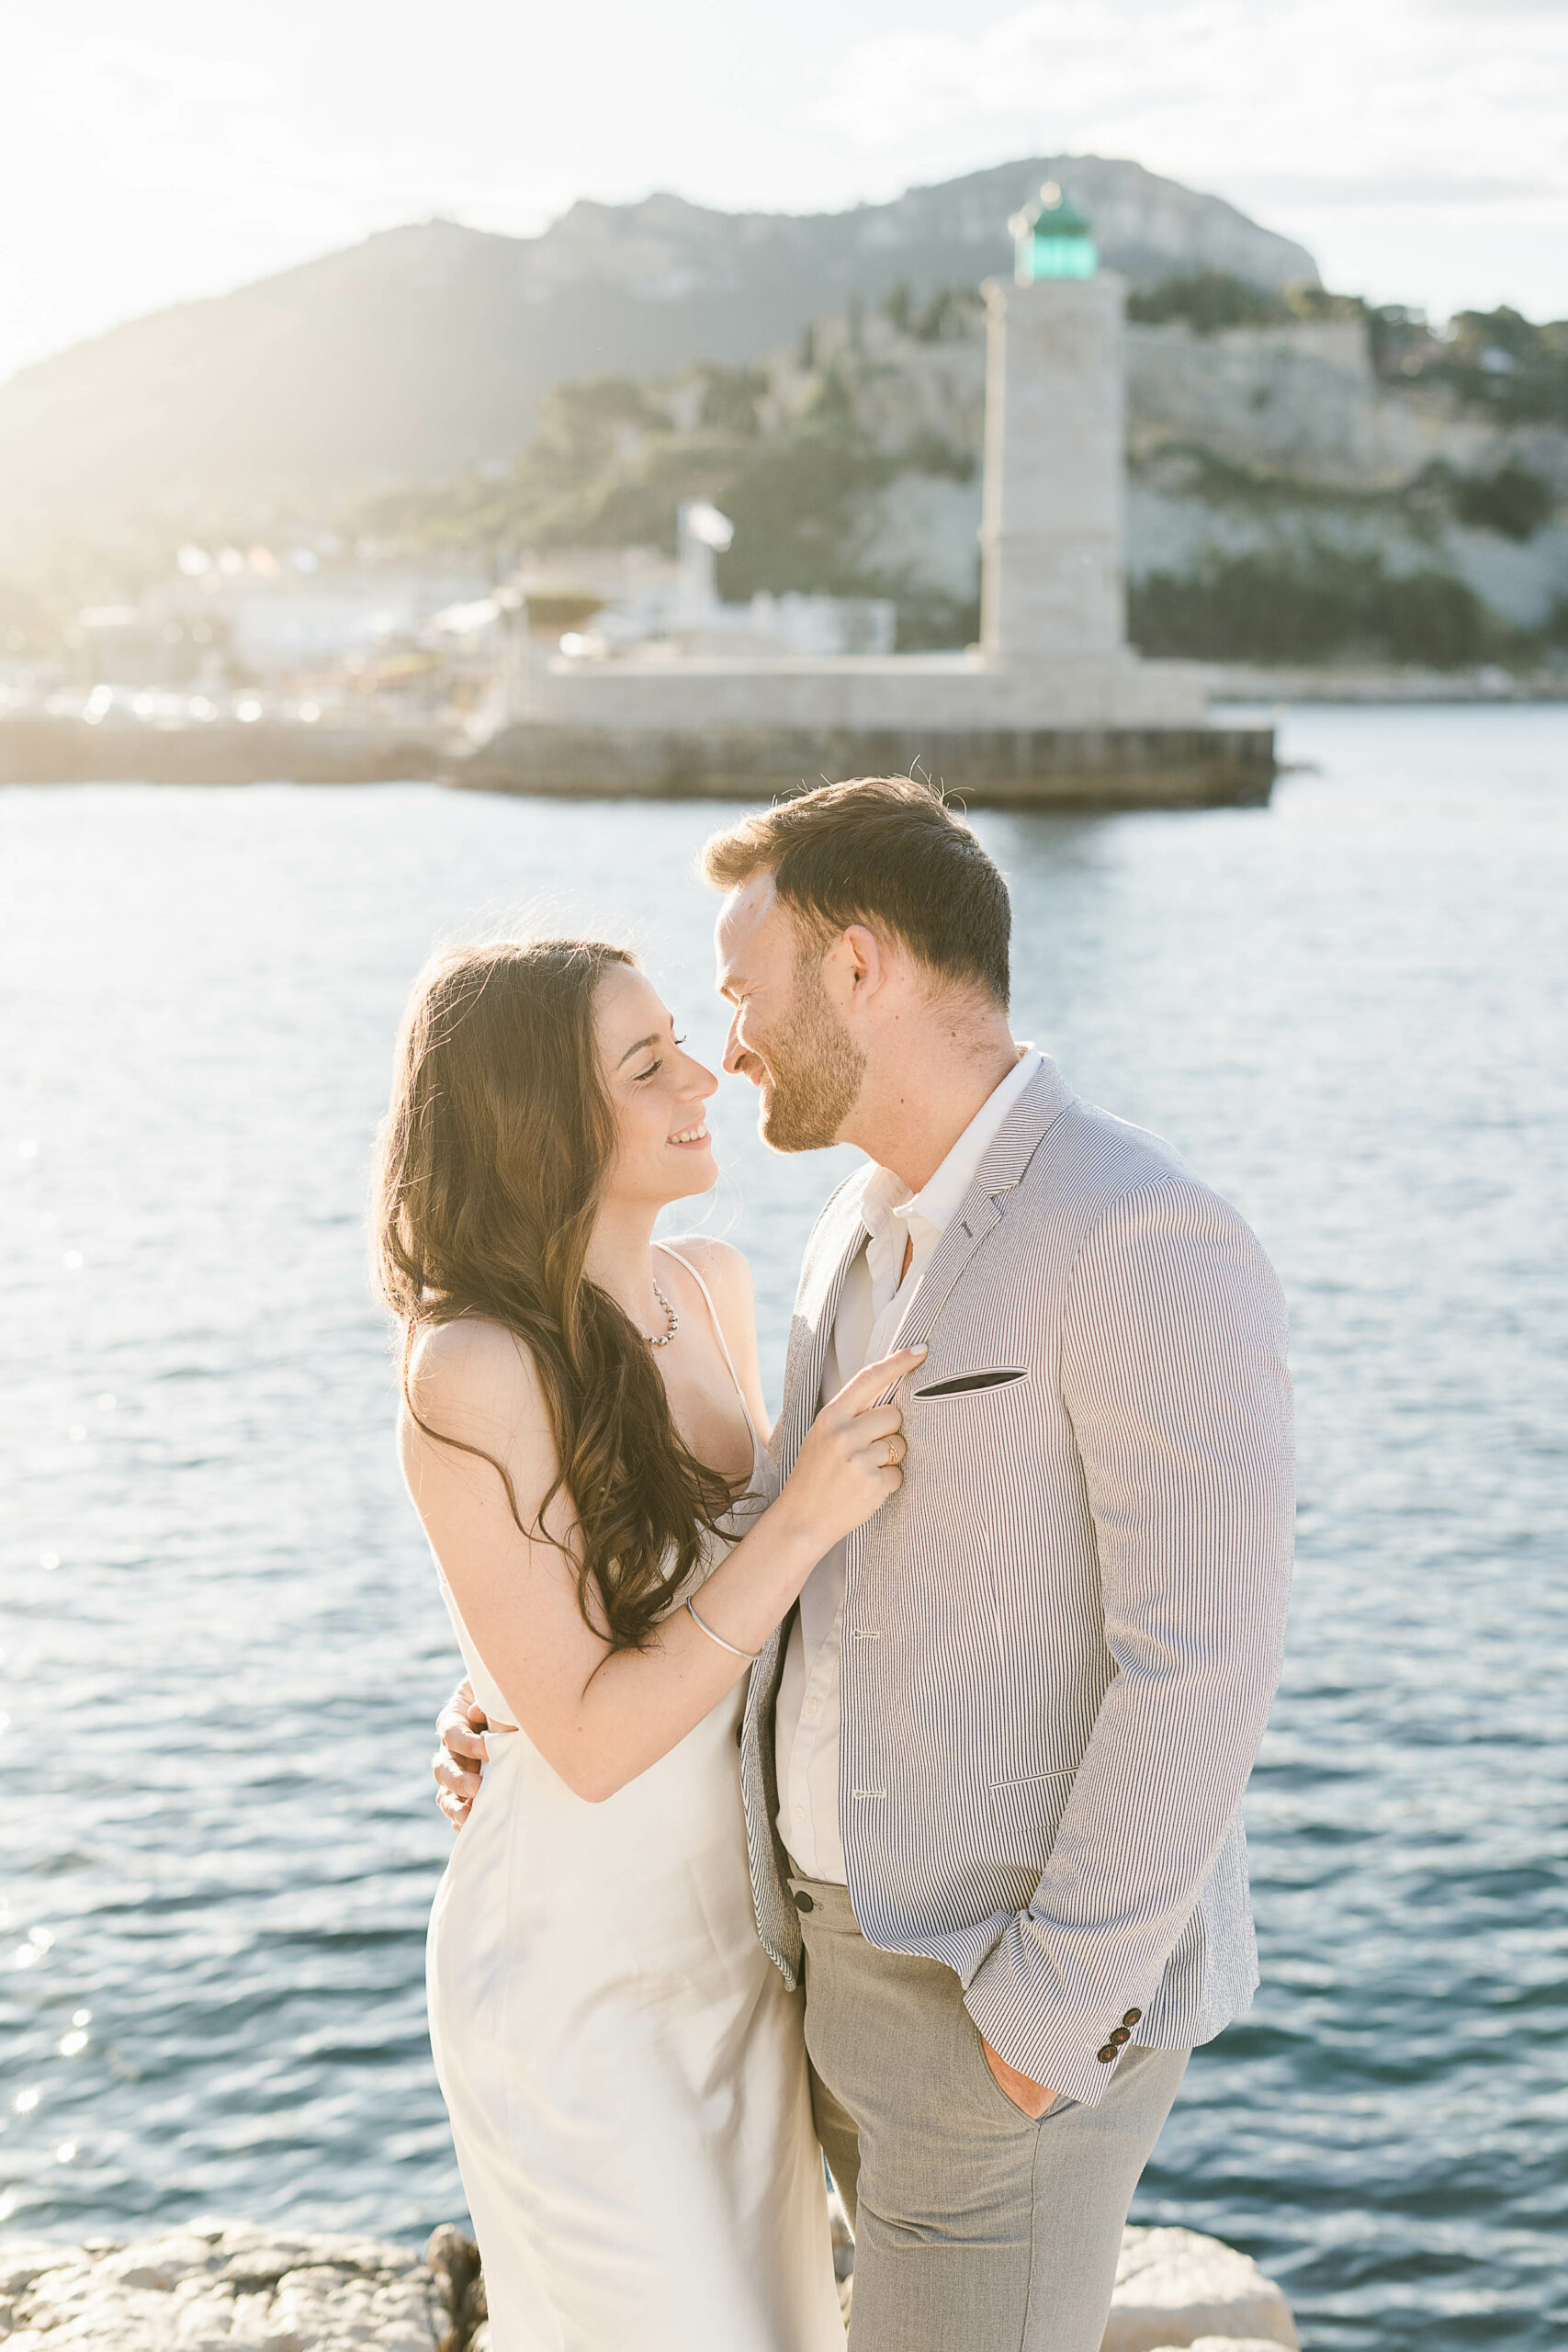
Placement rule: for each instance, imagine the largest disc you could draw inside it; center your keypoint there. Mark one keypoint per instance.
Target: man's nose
(733, 1049)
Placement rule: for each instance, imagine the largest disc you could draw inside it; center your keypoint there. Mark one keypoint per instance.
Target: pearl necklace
(674, 1320)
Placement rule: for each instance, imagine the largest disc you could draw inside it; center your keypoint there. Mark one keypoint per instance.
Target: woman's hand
(600, 1718)
(462, 1755)
(853, 1457)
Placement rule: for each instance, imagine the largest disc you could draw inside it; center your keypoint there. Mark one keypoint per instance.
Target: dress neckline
(758, 1448)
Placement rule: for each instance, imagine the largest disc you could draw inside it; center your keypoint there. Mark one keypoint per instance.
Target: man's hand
(460, 1728)
(1033, 2097)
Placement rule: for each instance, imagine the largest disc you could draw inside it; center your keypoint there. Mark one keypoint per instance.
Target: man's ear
(863, 968)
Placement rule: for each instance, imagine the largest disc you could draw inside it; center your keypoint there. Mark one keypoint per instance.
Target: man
(992, 1763)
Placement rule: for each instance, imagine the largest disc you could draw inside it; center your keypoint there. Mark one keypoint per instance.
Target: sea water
(224, 1646)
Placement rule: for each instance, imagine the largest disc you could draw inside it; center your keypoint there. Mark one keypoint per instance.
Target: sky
(1418, 147)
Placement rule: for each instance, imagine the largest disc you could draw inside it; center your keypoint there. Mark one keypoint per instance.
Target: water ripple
(224, 1649)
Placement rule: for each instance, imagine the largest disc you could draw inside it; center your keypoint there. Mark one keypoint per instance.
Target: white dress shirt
(871, 1305)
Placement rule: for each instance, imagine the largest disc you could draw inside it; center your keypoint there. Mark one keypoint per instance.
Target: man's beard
(816, 1073)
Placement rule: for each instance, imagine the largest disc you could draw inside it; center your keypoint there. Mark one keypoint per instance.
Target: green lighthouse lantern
(1051, 239)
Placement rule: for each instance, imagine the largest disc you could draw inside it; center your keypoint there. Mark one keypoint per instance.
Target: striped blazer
(1063, 1634)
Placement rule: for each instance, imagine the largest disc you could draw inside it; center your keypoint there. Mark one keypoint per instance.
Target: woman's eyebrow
(641, 1046)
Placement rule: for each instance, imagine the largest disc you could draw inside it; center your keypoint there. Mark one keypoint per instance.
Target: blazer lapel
(981, 1210)
(976, 1218)
(1014, 1145)
(809, 1338)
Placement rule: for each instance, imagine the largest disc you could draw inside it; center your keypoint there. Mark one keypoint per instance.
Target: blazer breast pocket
(963, 1383)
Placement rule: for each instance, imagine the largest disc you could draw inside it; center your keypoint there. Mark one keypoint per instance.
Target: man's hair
(884, 851)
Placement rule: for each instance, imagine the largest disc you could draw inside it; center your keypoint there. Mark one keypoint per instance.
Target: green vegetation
(950, 315)
(1321, 605)
(1513, 502)
(1211, 300)
(1500, 361)
(1491, 359)
(612, 459)
(1208, 300)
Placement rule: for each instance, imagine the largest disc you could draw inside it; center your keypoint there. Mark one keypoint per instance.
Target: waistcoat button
(803, 1901)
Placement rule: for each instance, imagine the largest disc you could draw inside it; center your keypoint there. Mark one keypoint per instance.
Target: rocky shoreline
(213, 2286)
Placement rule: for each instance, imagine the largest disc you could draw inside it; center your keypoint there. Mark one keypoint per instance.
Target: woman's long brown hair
(489, 1171)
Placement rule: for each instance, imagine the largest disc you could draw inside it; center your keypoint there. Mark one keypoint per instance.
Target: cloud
(123, 93)
(152, 119)
(1446, 102)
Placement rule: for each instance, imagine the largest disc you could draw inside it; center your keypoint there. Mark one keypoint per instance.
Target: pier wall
(1042, 767)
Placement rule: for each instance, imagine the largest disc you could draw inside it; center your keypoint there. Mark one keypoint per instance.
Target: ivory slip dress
(622, 2062)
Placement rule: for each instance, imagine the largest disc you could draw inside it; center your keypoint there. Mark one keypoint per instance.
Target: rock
(455, 2260)
(1226, 2343)
(1176, 2288)
(473, 2313)
(220, 2285)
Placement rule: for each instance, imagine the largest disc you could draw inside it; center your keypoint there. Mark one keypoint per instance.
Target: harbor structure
(622, 672)
(1052, 707)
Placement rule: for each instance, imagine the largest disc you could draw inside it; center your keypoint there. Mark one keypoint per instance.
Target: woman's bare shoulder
(473, 1371)
(724, 1268)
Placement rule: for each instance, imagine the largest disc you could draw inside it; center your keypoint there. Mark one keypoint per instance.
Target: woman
(581, 1435)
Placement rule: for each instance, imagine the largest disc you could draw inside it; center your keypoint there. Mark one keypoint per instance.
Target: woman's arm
(517, 1596)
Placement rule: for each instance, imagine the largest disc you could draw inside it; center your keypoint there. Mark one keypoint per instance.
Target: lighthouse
(1051, 532)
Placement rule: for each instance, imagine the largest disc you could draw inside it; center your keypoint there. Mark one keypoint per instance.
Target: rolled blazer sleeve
(1173, 1371)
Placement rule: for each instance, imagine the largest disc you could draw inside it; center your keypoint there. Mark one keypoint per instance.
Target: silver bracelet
(750, 1656)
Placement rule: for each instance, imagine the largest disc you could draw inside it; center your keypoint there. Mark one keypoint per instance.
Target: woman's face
(663, 1150)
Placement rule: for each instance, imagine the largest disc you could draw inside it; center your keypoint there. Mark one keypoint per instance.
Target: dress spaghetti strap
(724, 1343)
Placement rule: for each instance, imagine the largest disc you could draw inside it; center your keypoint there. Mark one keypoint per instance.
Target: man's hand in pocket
(1033, 2097)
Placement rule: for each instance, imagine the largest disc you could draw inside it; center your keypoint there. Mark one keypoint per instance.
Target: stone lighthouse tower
(1052, 521)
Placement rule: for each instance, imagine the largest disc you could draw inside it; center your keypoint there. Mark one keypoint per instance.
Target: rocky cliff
(1286, 498)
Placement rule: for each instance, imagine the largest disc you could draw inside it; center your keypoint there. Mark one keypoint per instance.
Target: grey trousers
(976, 2230)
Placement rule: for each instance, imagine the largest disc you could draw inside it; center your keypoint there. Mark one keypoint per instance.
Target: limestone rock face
(1175, 2288)
(215, 2287)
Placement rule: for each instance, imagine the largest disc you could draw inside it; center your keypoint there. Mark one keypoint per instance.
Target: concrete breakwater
(49, 750)
(990, 767)
(1002, 767)
(215, 2285)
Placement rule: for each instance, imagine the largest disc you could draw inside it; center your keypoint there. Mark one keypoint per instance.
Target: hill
(1306, 476)
(426, 351)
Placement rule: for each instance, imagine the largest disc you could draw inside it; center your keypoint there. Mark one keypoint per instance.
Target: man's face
(785, 1035)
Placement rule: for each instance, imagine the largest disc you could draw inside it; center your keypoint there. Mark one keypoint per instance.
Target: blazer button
(1131, 2017)
(803, 1901)
(1106, 2055)
(1118, 2037)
